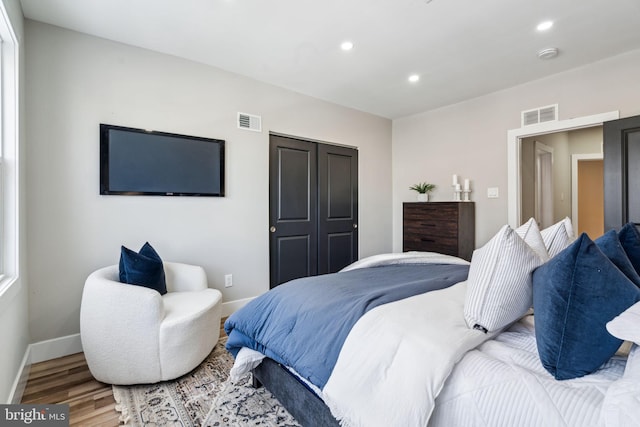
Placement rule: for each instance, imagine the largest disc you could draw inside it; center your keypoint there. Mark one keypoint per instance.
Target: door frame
(514, 139)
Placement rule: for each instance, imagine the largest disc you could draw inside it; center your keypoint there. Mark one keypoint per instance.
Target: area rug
(203, 397)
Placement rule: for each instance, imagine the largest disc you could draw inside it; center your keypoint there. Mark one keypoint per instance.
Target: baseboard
(56, 347)
(20, 383)
(40, 352)
(228, 308)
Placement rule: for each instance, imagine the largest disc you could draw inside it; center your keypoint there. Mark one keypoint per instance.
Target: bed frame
(301, 402)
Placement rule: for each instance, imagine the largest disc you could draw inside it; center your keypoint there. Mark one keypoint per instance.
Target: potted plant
(423, 190)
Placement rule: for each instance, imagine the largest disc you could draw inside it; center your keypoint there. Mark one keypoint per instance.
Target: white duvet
(396, 359)
(503, 384)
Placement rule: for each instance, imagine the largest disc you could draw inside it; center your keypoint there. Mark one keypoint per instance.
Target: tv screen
(142, 162)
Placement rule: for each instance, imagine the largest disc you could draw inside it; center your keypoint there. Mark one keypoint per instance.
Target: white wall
(75, 82)
(13, 304)
(470, 138)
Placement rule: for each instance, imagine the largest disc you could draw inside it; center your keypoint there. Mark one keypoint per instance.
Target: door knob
(272, 229)
(355, 225)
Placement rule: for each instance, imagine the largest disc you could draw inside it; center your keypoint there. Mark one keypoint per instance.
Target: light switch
(493, 193)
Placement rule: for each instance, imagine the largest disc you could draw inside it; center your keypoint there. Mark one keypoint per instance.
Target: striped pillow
(530, 233)
(558, 236)
(499, 287)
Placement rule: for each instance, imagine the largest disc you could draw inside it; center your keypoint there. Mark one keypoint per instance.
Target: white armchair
(133, 335)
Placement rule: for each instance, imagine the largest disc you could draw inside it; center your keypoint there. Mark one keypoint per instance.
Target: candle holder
(456, 192)
(466, 195)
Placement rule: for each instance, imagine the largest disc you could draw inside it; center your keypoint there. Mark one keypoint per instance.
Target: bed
(444, 342)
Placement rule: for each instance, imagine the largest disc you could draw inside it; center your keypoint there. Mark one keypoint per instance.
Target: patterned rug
(203, 397)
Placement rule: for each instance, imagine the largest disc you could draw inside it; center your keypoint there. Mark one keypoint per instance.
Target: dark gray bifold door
(338, 207)
(621, 172)
(292, 209)
(313, 208)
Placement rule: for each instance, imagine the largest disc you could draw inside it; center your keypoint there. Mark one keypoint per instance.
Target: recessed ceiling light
(346, 45)
(414, 78)
(544, 26)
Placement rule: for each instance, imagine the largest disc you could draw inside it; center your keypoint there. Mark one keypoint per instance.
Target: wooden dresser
(445, 227)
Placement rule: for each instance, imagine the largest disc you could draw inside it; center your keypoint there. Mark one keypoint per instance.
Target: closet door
(293, 212)
(621, 172)
(338, 207)
(313, 208)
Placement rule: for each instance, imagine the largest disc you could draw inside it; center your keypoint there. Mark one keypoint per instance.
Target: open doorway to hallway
(568, 186)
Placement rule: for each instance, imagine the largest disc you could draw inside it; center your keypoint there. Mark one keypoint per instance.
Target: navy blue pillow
(610, 245)
(630, 241)
(574, 295)
(142, 268)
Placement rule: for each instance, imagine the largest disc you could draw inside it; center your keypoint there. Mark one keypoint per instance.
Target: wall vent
(249, 122)
(548, 113)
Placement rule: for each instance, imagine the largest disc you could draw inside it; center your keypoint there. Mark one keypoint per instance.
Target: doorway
(515, 138)
(313, 208)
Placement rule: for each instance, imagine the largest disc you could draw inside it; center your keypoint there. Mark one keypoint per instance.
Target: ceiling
(460, 48)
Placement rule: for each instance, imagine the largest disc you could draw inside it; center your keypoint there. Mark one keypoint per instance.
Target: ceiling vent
(540, 115)
(249, 122)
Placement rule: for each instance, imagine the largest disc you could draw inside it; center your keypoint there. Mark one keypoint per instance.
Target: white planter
(423, 197)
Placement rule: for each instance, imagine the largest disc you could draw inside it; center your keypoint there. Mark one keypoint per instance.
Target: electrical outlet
(228, 280)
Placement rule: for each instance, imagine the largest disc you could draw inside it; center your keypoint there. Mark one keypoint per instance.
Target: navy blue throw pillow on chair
(630, 241)
(610, 245)
(575, 294)
(142, 268)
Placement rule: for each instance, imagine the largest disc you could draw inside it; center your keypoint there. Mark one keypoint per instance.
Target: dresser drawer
(428, 228)
(422, 241)
(438, 213)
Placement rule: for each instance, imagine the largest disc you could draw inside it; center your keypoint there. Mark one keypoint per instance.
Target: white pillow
(530, 233)
(558, 236)
(626, 326)
(499, 287)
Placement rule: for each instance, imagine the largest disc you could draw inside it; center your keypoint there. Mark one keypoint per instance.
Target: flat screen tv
(142, 162)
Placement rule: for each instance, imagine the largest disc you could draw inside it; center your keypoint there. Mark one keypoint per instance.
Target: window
(9, 166)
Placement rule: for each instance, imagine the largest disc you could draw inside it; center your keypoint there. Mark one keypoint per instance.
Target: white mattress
(503, 383)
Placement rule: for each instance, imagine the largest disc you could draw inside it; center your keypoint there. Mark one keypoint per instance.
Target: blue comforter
(303, 323)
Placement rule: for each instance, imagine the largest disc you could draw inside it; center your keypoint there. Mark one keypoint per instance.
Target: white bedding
(411, 257)
(503, 383)
(621, 406)
(397, 357)
(415, 362)
(439, 373)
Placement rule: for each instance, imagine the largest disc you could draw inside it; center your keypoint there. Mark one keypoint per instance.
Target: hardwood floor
(68, 380)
